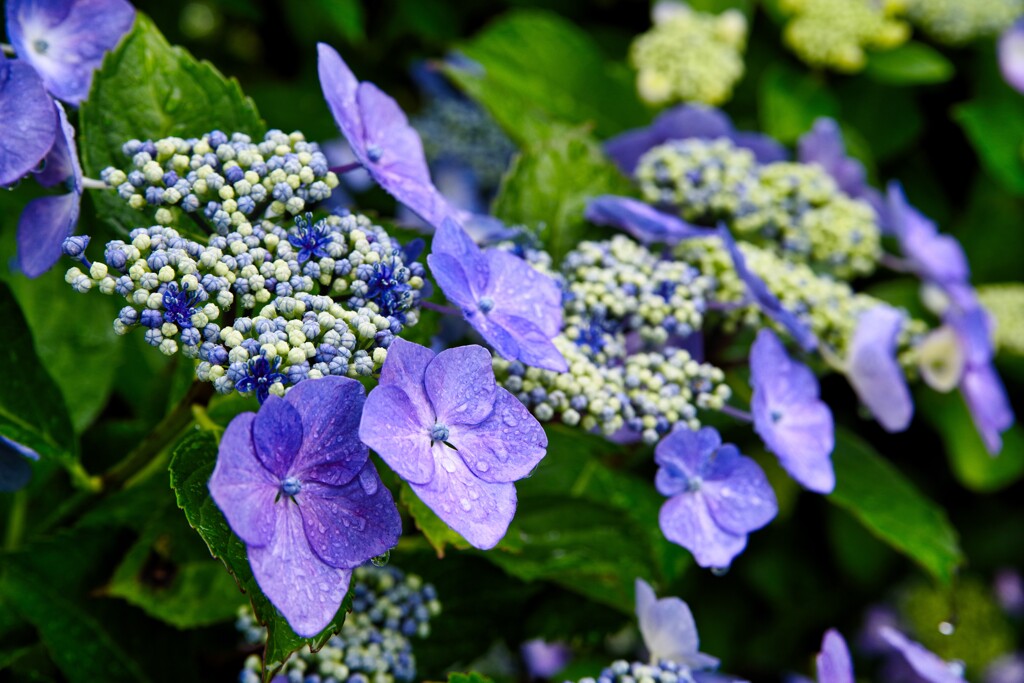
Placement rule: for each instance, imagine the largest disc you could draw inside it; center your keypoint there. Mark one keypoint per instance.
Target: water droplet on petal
(369, 481)
(719, 571)
(482, 465)
(381, 559)
(466, 505)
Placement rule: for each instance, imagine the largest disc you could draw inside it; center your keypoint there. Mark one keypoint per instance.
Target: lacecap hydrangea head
(836, 34)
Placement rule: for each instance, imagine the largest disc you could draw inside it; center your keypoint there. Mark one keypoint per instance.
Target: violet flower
(645, 223)
(688, 121)
(1011, 55)
(793, 421)
(297, 486)
(669, 630)
(926, 664)
(873, 370)
(47, 221)
(937, 259)
(381, 137)
(15, 471)
(716, 495)
(833, 662)
(544, 659)
(65, 40)
(24, 107)
(515, 308)
(823, 145)
(442, 423)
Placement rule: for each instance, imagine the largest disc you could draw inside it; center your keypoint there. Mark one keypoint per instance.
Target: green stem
(16, 520)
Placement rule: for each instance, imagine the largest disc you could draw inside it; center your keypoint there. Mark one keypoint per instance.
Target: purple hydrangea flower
(642, 221)
(297, 486)
(15, 471)
(442, 423)
(926, 664)
(1011, 55)
(788, 415)
(669, 630)
(47, 221)
(873, 371)
(515, 308)
(833, 662)
(26, 108)
(688, 121)
(716, 495)
(935, 258)
(544, 659)
(1006, 669)
(764, 298)
(65, 40)
(381, 137)
(823, 145)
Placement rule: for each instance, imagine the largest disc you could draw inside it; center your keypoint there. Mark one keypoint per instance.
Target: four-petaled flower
(179, 305)
(260, 375)
(929, 667)
(793, 421)
(669, 630)
(515, 308)
(444, 426)
(873, 370)
(311, 239)
(716, 495)
(297, 486)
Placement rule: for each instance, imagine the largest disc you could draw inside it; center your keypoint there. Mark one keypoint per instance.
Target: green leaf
(32, 411)
(534, 68)
(889, 506)
(549, 184)
(147, 89)
(471, 677)
(791, 100)
(971, 463)
(346, 16)
(995, 126)
(191, 466)
(912, 63)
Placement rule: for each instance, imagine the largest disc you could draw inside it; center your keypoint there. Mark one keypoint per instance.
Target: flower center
(486, 304)
(776, 416)
(374, 153)
(41, 46)
(179, 305)
(439, 432)
(291, 486)
(693, 484)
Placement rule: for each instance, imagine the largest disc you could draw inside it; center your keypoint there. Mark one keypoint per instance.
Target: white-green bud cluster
(836, 34)
(1006, 304)
(956, 22)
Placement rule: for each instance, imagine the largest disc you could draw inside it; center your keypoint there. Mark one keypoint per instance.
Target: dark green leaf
(791, 100)
(471, 677)
(549, 184)
(994, 122)
(885, 502)
(346, 17)
(534, 68)
(912, 63)
(191, 467)
(147, 89)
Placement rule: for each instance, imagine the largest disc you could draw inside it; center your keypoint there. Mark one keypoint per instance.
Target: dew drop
(510, 419)
(482, 465)
(448, 465)
(369, 481)
(381, 559)
(466, 505)
(946, 628)
(719, 571)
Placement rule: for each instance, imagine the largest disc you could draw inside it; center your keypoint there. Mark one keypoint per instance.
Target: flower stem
(741, 415)
(339, 170)
(16, 520)
(93, 184)
(446, 310)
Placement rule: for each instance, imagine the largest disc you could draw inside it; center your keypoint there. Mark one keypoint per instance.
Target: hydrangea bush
(533, 330)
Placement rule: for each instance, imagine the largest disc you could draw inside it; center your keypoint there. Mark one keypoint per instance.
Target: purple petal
(683, 455)
(392, 426)
(737, 493)
(339, 86)
(15, 472)
(61, 163)
(518, 289)
(307, 591)
(834, 663)
(453, 280)
(277, 435)
(668, 629)
(926, 664)
(685, 519)
(65, 40)
(506, 446)
(873, 370)
(20, 448)
(461, 386)
(44, 225)
(534, 346)
(26, 108)
(479, 511)
(453, 240)
(973, 327)
(347, 525)
(642, 221)
(823, 145)
(543, 659)
(990, 408)
(765, 299)
(766, 149)
(495, 334)
(242, 487)
(330, 408)
(406, 366)
(1011, 55)
(934, 257)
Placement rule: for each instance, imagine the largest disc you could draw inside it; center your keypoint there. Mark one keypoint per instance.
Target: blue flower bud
(75, 245)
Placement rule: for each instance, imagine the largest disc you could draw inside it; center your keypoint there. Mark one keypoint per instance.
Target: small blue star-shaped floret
(260, 375)
(179, 305)
(311, 239)
(388, 287)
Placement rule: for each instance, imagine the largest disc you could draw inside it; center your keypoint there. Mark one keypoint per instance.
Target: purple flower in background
(1006, 669)
(788, 415)
(296, 485)
(1008, 587)
(935, 258)
(833, 662)
(442, 423)
(65, 40)
(48, 221)
(873, 370)
(642, 221)
(669, 630)
(1011, 55)
(688, 121)
(764, 298)
(823, 145)
(516, 309)
(926, 664)
(381, 137)
(544, 659)
(15, 471)
(24, 107)
(716, 495)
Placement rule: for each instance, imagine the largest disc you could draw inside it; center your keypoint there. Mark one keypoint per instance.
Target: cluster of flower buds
(689, 56)
(1005, 302)
(622, 671)
(797, 209)
(231, 181)
(955, 22)
(835, 34)
(388, 608)
(321, 298)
